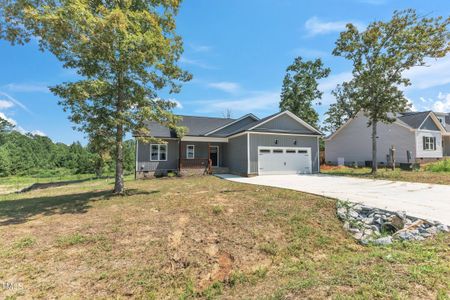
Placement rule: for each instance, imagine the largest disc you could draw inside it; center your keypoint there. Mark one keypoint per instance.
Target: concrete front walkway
(428, 201)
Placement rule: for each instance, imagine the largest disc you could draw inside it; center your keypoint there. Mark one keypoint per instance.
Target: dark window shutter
(424, 142)
(434, 143)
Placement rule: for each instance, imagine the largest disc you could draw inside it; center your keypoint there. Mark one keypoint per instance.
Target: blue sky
(237, 52)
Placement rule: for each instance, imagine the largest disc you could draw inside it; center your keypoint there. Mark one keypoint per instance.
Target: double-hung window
(158, 152)
(190, 151)
(429, 143)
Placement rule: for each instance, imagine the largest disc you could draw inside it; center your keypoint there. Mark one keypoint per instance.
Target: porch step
(220, 170)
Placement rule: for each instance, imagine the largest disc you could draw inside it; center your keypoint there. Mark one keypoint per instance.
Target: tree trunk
(119, 185)
(374, 147)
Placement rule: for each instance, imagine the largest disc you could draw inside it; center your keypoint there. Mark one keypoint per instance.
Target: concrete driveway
(428, 201)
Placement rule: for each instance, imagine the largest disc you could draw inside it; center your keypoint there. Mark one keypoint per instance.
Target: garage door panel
(279, 160)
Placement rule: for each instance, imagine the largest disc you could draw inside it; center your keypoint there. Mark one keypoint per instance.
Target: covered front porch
(202, 157)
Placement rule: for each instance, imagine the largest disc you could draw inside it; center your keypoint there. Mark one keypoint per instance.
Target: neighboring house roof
(414, 119)
(411, 120)
(224, 127)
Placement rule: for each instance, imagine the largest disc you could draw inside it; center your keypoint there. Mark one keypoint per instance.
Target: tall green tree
(380, 55)
(125, 50)
(340, 112)
(300, 88)
(5, 125)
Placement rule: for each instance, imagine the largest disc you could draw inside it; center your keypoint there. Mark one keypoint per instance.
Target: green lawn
(202, 237)
(422, 175)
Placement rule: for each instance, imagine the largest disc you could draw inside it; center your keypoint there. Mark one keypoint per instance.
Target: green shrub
(441, 166)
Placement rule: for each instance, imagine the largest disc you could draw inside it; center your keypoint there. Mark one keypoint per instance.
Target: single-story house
(423, 136)
(278, 144)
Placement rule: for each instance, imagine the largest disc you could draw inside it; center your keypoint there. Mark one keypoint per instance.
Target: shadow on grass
(46, 185)
(21, 210)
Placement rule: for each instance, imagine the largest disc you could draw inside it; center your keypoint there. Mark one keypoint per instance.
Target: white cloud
(4, 117)
(196, 63)
(253, 102)
(4, 104)
(226, 86)
(436, 73)
(310, 53)
(26, 87)
(200, 48)
(443, 104)
(37, 132)
(412, 107)
(315, 26)
(178, 103)
(15, 101)
(20, 128)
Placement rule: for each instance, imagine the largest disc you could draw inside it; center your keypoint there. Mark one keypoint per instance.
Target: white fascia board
(269, 133)
(204, 139)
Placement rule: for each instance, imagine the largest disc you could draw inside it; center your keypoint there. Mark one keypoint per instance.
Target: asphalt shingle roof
(414, 119)
(196, 126)
(200, 126)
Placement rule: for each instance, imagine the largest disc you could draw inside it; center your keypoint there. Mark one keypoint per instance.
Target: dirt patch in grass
(201, 237)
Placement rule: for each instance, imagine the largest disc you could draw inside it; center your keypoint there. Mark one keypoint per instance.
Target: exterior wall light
(276, 142)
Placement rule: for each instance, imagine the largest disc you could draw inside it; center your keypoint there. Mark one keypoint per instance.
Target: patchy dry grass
(201, 238)
(422, 175)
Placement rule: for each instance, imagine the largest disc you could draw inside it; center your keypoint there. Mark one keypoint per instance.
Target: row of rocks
(381, 227)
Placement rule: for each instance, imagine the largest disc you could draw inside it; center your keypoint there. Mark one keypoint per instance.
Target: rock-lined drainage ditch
(380, 227)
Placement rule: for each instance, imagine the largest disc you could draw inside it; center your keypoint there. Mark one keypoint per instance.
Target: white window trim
(159, 152)
(429, 144)
(193, 151)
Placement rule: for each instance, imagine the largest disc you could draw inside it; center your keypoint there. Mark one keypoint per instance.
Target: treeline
(27, 154)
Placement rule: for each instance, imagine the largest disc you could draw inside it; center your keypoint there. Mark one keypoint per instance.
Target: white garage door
(274, 160)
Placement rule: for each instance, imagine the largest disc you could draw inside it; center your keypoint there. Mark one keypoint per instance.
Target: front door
(214, 155)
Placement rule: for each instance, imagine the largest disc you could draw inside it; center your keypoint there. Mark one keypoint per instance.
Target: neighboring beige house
(425, 135)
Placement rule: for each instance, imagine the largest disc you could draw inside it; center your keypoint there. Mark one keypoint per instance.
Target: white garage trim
(308, 149)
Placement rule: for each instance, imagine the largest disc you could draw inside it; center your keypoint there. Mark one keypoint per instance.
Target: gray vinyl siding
(236, 158)
(446, 146)
(268, 140)
(285, 122)
(144, 163)
(429, 125)
(353, 142)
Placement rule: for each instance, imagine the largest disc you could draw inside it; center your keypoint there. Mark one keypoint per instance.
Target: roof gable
(285, 121)
(233, 126)
(414, 119)
(429, 124)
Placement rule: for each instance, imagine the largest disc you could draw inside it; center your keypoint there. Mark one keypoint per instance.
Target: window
(190, 151)
(277, 151)
(302, 151)
(264, 151)
(158, 152)
(429, 143)
(290, 151)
